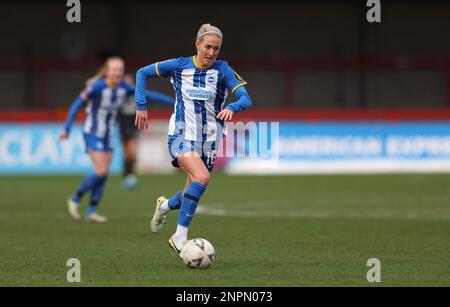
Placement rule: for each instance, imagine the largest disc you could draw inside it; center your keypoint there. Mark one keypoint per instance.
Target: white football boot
(159, 218)
(96, 218)
(177, 244)
(74, 209)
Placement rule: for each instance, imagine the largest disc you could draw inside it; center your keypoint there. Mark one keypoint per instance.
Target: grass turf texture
(267, 231)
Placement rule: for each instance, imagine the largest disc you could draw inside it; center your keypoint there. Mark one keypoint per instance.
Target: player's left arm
(243, 100)
(236, 84)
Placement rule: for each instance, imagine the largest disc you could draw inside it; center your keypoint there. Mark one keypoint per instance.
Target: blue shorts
(95, 143)
(206, 150)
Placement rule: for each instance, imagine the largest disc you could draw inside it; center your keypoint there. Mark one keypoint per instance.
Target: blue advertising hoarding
(351, 147)
(301, 147)
(36, 149)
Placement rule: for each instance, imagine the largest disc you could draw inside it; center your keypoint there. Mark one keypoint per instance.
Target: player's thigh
(108, 158)
(192, 164)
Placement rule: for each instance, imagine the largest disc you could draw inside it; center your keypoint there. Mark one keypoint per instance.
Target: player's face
(208, 49)
(115, 70)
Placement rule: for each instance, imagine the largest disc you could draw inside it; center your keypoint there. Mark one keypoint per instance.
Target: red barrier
(262, 115)
(347, 115)
(41, 66)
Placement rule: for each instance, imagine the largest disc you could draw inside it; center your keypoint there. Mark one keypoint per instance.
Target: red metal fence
(27, 117)
(42, 66)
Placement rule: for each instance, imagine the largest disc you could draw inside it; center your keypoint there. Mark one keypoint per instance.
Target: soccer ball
(198, 254)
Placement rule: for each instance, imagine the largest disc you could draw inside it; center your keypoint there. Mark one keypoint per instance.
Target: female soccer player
(201, 85)
(104, 95)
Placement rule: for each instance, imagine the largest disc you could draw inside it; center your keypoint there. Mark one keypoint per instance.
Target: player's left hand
(225, 114)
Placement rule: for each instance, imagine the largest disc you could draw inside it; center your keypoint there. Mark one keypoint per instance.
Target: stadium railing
(40, 68)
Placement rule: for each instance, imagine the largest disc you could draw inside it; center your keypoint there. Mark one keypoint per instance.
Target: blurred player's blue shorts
(206, 150)
(95, 143)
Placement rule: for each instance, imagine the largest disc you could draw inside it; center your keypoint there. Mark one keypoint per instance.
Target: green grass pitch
(267, 231)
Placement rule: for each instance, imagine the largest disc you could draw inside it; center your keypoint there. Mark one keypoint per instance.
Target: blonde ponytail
(100, 74)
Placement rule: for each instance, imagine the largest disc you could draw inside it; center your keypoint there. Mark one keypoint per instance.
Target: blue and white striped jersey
(200, 96)
(102, 107)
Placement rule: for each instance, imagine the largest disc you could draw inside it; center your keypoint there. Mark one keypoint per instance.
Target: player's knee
(102, 171)
(202, 178)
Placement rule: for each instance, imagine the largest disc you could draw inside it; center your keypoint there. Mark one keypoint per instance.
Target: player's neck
(201, 65)
(112, 84)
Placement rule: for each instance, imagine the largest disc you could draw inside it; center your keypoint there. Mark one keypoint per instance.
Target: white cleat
(74, 209)
(96, 218)
(159, 218)
(177, 244)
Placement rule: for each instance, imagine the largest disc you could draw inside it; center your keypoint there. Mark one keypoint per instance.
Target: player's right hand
(63, 135)
(141, 121)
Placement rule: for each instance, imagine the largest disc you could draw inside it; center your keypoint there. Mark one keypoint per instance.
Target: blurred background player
(201, 84)
(104, 95)
(129, 133)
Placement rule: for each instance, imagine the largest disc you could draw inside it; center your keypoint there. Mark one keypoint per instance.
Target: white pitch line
(375, 214)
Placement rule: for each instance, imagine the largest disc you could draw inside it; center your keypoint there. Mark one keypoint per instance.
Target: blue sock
(85, 185)
(91, 209)
(190, 202)
(175, 201)
(97, 192)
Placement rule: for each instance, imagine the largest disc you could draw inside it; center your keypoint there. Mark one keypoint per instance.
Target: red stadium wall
(262, 114)
(43, 90)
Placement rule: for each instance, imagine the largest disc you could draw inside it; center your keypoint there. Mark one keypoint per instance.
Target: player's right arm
(159, 69)
(86, 94)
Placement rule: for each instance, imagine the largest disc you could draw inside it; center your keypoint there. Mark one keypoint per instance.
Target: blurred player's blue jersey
(103, 104)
